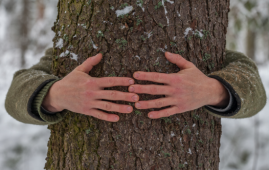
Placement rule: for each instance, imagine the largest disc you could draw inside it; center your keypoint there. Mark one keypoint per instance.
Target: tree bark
(132, 42)
(24, 30)
(251, 43)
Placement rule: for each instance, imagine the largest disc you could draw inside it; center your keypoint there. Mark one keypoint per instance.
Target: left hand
(186, 90)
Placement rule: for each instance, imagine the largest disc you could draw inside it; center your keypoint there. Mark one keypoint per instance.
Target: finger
(103, 116)
(114, 81)
(153, 76)
(88, 64)
(158, 103)
(112, 107)
(163, 113)
(179, 60)
(117, 95)
(151, 89)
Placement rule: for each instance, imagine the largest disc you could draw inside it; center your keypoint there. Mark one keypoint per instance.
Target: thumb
(177, 59)
(88, 64)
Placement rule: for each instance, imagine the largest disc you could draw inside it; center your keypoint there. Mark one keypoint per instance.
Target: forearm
(240, 75)
(24, 87)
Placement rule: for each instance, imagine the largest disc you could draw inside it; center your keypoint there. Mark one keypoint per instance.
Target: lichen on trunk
(133, 35)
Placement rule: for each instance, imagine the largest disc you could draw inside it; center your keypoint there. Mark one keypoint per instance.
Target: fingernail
(131, 81)
(129, 109)
(137, 105)
(150, 115)
(136, 75)
(135, 98)
(131, 89)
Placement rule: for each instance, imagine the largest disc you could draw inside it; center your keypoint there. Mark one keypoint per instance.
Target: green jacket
(30, 86)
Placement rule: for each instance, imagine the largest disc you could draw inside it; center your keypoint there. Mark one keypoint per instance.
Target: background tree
(133, 35)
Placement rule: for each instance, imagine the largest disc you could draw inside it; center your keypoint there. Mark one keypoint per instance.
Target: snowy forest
(25, 34)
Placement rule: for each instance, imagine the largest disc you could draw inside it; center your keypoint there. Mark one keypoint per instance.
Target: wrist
(50, 101)
(219, 95)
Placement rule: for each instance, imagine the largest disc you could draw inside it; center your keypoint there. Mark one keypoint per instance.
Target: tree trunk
(24, 30)
(251, 43)
(131, 42)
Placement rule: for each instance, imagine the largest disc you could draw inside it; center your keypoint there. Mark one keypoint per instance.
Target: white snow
(165, 11)
(124, 11)
(178, 14)
(171, 2)
(138, 57)
(94, 46)
(141, 5)
(74, 56)
(193, 32)
(187, 31)
(60, 43)
(148, 34)
(189, 151)
(172, 134)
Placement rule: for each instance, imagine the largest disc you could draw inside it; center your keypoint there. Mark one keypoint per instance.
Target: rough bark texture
(132, 42)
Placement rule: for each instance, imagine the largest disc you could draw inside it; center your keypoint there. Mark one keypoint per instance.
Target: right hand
(81, 93)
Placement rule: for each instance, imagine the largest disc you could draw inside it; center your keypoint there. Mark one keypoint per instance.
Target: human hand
(186, 90)
(81, 93)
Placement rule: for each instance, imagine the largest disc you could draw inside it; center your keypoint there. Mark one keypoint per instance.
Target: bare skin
(186, 90)
(81, 93)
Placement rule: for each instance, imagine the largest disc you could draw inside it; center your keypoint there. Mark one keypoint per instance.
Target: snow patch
(141, 5)
(172, 134)
(193, 32)
(178, 14)
(60, 43)
(165, 11)
(138, 57)
(93, 45)
(74, 56)
(187, 31)
(63, 54)
(171, 2)
(148, 34)
(124, 11)
(189, 151)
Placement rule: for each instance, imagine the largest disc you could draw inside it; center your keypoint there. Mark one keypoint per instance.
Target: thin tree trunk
(24, 30)
(251, 44)
(132, 42)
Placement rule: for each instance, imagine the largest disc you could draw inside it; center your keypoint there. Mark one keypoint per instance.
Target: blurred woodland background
(25, 33)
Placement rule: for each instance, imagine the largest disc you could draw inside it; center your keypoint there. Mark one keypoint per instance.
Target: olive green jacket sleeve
(27, 90)
(240, 75)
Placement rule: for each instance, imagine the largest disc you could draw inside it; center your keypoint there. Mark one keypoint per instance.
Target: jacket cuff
(236, 104)
(229, 106)
(37, 105)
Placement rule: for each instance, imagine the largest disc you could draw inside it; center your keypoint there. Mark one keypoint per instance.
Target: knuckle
(177, 90)
(90, 82)
(108, 106)
(156, 77)
(89, 93)
(98, 115)
(111, 81)
(113, 94)
(158, 103)
(153, 90)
